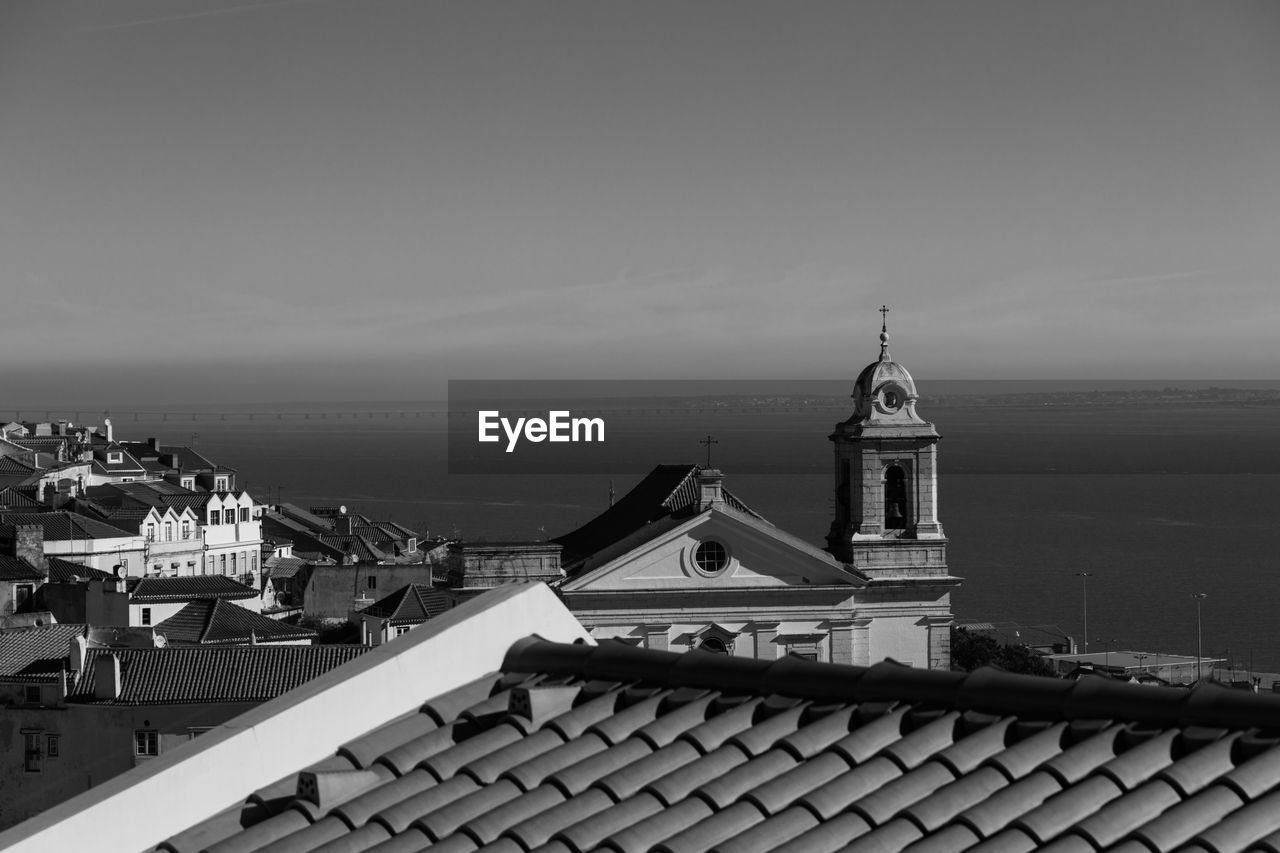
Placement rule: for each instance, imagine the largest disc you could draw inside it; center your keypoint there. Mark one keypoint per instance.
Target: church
(682, 563)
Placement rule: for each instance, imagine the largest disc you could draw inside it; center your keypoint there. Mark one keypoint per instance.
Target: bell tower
(886, 477)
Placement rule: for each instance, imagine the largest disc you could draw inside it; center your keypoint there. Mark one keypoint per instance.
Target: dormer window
(115, 458)
(215, 516)
(220, 484)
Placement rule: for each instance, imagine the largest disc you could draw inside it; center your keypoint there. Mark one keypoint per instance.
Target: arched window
(895, 499)
(714, 644)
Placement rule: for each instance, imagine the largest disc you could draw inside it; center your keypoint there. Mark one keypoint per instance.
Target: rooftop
(195, 674)
(161, 590)
(63, 526)
(213, 621)
(576, 747)
(36, 654)
(667, 490)
(410, 604)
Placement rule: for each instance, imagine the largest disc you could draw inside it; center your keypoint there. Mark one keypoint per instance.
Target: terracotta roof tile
(615, 748)
(212, 621)
(36, 654)
(190, 588)
(210, 673)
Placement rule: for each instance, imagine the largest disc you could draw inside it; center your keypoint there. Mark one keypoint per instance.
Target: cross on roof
(884, 317)
(708, 441)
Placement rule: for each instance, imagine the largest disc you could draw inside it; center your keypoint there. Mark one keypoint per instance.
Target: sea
(1157, 502)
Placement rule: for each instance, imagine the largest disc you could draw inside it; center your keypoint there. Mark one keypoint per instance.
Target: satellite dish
(161, 641)
(342, 510)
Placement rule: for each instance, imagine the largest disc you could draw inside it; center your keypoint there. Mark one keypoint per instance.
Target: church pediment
(716, 549)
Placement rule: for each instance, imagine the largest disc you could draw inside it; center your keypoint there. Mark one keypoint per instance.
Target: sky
(361, 199)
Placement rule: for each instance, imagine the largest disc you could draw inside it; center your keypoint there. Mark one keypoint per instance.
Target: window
(174, 566)
(168, 531)
(53, 746)
(196, 731)
(401, 630)
(33, 755)
(711, 557)
(371, 582)
(22, 594)
(895, 499)
(222, 561)
(220, 484)
(244, 513)
(188, 483)
(411, 545)
(253, 561)
(714, 644)
(186, 529)
(115, 458)
(146, 616)
(146, 742)
(215, 516)
(32, 694)
(233, 563)
(151, 533)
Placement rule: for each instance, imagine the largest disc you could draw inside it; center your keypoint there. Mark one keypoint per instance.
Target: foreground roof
(66, 570)
(576, 748)
(213, 621)
(210, 674)
(666, 491)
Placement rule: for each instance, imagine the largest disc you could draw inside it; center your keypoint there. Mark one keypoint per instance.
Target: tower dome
(884, 391)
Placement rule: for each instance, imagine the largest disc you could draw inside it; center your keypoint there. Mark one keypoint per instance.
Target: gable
(755, 555)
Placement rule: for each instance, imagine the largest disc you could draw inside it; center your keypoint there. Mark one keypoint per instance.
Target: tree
(971, 650)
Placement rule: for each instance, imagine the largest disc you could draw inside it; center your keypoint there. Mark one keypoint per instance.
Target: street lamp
(1084, 586)
(1199, 597)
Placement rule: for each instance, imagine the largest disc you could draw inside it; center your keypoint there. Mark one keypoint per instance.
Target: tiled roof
(160, 590)
(410, 604)
(354, 546)
(15, 569)
(284, 567)
(185, 500)
(210, 673)
(10, 466)
(65, 570)
(667, 490)
(213, 621)
(64, 526)
(36, 654)
(614, 748)
(308, 520)
(17, 498)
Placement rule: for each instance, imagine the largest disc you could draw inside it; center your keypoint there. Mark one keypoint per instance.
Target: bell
(894, 513)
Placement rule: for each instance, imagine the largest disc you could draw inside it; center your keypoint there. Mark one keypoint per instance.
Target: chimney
(342, 525)
(106, 424)
(154, 444)
(78, 645)
(28, 544)
(710, 492)
(106, 677)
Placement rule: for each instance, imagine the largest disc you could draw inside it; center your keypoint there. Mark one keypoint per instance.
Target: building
(556, 743)
(680, 562)
(395, 615)
(78, 539)
(218, 622)
(153, 600)
(90, 711)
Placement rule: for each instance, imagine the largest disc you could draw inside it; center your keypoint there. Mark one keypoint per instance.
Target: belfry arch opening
(895, 498)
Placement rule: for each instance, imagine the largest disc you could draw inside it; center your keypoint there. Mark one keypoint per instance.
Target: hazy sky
(338, 199)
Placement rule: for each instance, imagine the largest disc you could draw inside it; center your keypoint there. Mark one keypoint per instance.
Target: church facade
(680, 562)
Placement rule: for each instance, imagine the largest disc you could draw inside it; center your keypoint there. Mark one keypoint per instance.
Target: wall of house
(331, 590)
(95, 743)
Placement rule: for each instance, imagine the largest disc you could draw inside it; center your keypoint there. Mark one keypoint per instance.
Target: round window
(711, 557)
